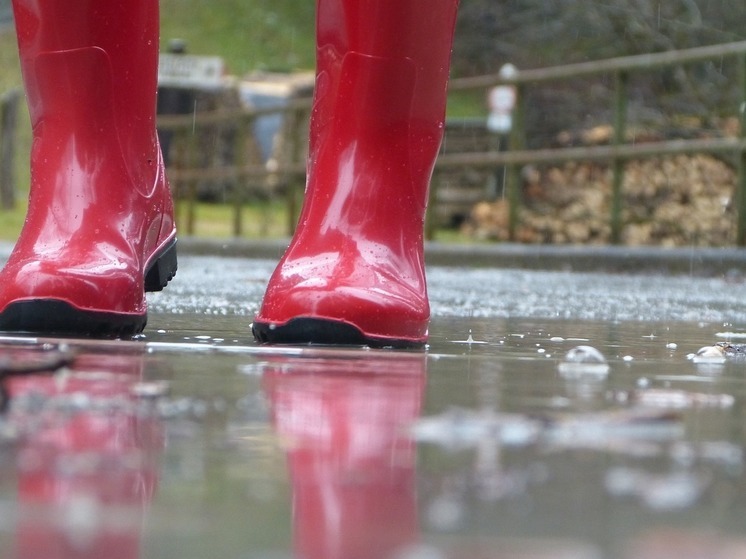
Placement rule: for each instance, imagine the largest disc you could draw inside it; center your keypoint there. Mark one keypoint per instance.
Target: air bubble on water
(584, 360)
(709, 355)
(584, 354)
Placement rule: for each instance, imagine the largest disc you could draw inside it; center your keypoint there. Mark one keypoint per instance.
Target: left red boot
(100, 229)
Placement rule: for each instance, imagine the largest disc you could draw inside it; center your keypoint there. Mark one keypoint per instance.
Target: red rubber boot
(99, 230)
(354, 271)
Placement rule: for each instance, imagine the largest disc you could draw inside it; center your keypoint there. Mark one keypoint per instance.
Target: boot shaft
(379, 106)
(126, 35)
(418, 30)
(355, 267)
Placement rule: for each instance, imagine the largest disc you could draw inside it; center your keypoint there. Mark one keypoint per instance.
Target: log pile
(681, 200)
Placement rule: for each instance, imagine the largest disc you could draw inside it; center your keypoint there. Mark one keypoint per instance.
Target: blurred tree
(535, 33)
(541, 33)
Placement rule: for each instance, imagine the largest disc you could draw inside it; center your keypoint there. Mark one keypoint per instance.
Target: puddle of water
(192, 441)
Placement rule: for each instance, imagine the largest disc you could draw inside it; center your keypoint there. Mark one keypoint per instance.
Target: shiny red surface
(100, 205)
(376, 127)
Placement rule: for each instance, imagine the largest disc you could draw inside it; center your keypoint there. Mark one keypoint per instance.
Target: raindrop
(469, 340)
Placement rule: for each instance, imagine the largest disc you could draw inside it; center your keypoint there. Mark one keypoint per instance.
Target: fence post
(185, 186)
(741, 185)
(620, 130)
(8, 133)
(516, 142)
(244, 125)
(294, 135)
(191, 189)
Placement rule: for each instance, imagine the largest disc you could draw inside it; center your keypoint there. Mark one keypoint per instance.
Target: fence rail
(620, 151)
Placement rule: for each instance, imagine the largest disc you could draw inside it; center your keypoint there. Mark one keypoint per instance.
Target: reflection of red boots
(351, 463)
(86, 473)
(354, 271)
(99, 230)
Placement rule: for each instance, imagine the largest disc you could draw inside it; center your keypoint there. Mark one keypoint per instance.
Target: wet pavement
(501, 440)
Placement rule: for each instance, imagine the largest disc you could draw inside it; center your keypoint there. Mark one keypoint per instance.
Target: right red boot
(354, 272)
(100, 229)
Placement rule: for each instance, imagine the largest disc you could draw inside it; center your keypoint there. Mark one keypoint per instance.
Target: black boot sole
(55, 317)
(315, 331)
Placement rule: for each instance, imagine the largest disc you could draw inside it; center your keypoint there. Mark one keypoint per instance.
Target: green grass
(249, 35)
(259, 220)
(11, 221)
(215, 221)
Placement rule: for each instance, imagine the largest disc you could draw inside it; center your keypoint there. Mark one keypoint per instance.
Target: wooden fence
(289, 170)
(619, 151)
(286, 173)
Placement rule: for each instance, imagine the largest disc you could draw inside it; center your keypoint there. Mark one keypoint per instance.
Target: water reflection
(309, 452)
(87, 463)
(352, 466)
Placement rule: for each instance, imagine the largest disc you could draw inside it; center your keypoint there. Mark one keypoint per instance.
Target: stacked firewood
(680, 200)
